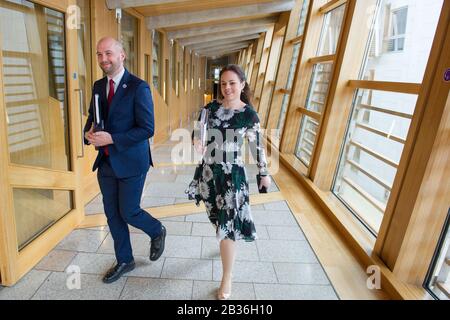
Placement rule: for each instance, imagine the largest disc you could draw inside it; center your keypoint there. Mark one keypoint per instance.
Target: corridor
(279, 265)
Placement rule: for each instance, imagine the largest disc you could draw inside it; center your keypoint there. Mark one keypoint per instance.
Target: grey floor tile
(182, 247)
(198, 217)
(26, 287)
(247, 271)
(63, 286)
(278, 205)
(100, 228)
(261, 232)
(146, 268)
(56, 260)
(285, 233)
(203, 229)
(189, 269)
(135, 230)
(210, 248)
(165, 189)
(155, 201)
(178, 228)
(245, 251)
(294, 292)
(94, 263)
(140, 244)
(83, 240)
(184, 179)
(177, 218)
(183, 200)
(274, 218)
(160, 176)
(285, 251)
(94, 209)
(301, 273)
(97, 199)
(193, 269)
(207, 290)
(157, 289)
(257, 207)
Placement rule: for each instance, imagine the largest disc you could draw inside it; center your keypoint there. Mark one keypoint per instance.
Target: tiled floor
(166, 186)
(279, 265)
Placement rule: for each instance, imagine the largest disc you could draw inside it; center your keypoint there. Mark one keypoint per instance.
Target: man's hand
(89, 135)
(100, 138)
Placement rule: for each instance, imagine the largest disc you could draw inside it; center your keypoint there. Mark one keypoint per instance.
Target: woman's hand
(265, 182)
(199, 148)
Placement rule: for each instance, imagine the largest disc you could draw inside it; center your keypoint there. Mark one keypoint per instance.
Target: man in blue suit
(124, 156)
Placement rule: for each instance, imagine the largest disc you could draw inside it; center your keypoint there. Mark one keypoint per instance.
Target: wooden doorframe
(14, 264)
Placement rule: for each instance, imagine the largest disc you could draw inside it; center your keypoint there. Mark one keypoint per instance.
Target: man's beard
(110, 68)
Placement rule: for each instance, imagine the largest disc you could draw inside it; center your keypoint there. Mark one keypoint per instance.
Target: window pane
(156, 56)
(438, 280)
(129, 36)
(372, 150)
(36, 210)
(331, 31)
(173, 63)
(292, 69)
(84, 52)
(286, 97)
(380, 120)
(399, 45)
(34, 77)
(303, 15)
(307, 139)
(319, 87)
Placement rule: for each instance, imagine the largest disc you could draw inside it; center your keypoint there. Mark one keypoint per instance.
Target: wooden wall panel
(258, 56)
(284, 66)
(262, 67)
(272, 68)
(302, 77)
(332, 130)
(8, 240)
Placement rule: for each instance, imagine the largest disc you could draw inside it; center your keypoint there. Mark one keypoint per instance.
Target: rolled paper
(97, 109)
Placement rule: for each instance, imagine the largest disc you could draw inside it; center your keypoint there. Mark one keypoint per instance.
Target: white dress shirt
(116, 80)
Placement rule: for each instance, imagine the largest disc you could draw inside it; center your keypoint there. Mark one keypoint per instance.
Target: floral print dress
(222, 184)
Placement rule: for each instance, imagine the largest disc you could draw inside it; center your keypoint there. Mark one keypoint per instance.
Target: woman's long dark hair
(246, 95)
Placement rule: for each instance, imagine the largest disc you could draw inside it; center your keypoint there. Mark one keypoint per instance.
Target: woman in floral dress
(223, 183)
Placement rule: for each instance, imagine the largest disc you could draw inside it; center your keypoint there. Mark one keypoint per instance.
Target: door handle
(81, 100)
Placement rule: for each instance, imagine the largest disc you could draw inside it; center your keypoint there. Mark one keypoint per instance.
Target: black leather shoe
(157, 245)
(117, 271)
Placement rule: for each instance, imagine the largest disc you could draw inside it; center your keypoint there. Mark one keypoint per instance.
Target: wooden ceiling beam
(197, 31)
(220, 36)
(214, 15)
(218, 54)
(114, 4)
(227, 45)
(224, 48)
(198, 46)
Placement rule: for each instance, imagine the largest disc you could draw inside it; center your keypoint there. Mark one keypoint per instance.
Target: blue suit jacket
(130, 121)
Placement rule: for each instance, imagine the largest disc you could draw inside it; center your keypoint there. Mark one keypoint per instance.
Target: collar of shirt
(116, 80)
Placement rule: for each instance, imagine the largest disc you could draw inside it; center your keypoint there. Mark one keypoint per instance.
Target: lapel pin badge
(124, 86)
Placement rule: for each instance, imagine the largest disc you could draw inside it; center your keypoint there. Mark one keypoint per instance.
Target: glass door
(41, 138)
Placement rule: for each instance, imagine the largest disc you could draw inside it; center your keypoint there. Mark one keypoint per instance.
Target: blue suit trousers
(121, 201)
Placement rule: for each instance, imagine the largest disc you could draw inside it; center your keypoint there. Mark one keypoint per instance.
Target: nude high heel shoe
(223, 295)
